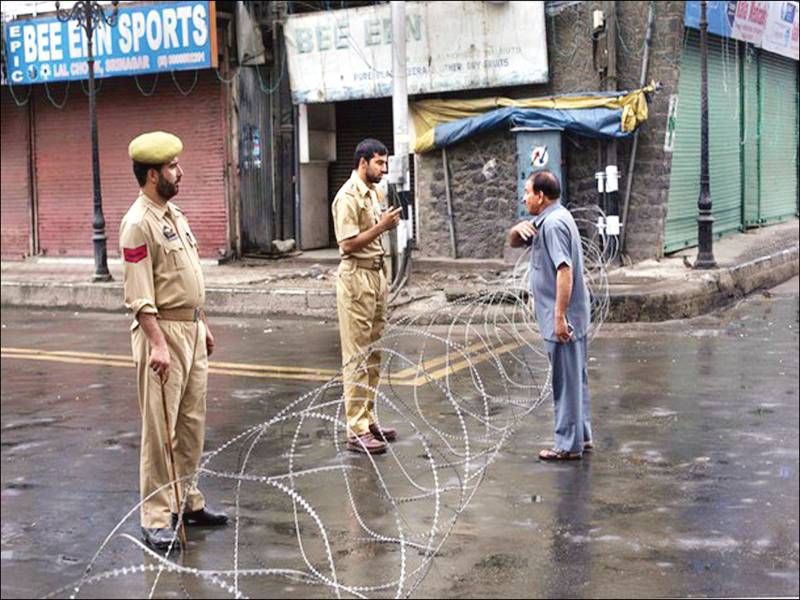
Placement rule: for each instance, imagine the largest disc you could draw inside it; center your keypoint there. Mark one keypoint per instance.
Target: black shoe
(204, 517)
(159, 539)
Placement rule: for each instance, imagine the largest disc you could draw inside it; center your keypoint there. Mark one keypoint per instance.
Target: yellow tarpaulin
(427, 114)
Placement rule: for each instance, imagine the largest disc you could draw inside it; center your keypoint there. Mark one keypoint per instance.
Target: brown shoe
(366, 444)
(386, 434)
(558, 454)
(588, 446)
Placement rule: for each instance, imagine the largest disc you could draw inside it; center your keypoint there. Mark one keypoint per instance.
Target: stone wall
(483, 174)
(483, 169)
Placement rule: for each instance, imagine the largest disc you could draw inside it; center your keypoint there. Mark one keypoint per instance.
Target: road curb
(713, 290)
(663, 301)
(107, 297)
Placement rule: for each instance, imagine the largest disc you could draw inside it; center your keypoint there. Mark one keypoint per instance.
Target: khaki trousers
(361, 299)
(185, 392)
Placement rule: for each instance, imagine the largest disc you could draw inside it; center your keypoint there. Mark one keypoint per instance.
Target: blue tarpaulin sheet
(593, 122)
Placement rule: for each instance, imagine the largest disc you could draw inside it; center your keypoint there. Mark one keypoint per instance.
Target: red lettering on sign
(134, 255)
(741, 10)
(758, 14)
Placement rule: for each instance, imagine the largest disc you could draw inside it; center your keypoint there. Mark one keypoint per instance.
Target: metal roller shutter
(63, 159)
(724, 158)
(684, 184)
(15, 211)
(750, 135)
(355, 121)
(778, 139)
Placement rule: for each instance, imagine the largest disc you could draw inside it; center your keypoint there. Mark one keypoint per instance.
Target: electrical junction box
(537, 150)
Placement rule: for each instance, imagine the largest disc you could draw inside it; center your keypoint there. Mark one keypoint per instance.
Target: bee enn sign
(346, 54)
(146, 38)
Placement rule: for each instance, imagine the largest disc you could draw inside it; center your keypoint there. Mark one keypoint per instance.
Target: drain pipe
(651, 15)
(450, 218)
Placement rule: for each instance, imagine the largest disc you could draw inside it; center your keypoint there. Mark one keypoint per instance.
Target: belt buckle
(196, 316)
(377, 263)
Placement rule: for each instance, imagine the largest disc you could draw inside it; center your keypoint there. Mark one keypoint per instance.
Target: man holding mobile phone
(562, 307)
(362, 293)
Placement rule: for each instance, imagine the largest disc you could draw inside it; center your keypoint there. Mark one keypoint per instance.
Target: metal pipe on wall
(611, 83)
(33, 246)
(450, 217)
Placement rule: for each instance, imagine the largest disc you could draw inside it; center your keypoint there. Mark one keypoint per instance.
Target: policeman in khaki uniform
(164, 289)
(362, 294)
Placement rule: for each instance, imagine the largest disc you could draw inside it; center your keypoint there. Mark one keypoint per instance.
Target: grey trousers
(570, 393)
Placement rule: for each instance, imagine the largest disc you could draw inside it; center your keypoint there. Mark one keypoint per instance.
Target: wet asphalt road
(692, 491)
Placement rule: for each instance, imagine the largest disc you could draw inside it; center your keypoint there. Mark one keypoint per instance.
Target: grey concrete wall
(483, 169)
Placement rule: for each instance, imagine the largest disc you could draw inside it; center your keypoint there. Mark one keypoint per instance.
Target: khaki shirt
(160, 258)
(357, 208)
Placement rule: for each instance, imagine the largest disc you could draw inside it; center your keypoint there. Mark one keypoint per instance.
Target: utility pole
(705, 220)
(400, 94)
(399, 174)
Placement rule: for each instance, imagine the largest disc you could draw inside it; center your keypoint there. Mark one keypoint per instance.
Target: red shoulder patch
(134, 255)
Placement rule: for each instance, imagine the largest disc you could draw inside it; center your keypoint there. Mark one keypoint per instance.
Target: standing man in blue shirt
(561, 303)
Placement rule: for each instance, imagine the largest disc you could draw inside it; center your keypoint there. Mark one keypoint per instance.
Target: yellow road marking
(271, 371)
(463, 364)
(248, 367)
(67, 359)
(66, 353)
(265, 375)
(129, 364)
(211, 364)
(432, 362)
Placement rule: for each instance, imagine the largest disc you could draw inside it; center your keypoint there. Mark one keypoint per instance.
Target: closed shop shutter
(355, 121)
(15, 216)
(63, 159)
(724, 156)
(750, 135)
(684, 186)
(778, 139)
(255, 164)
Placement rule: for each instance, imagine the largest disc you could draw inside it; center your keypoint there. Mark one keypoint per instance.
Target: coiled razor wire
(361, 525)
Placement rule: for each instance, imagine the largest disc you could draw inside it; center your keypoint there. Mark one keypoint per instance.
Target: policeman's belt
(179, 314)
(373, 264)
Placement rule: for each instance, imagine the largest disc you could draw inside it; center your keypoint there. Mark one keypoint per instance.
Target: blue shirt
(558, 242)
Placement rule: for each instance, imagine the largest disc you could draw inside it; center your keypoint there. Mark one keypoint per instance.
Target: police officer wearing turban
(171, 341)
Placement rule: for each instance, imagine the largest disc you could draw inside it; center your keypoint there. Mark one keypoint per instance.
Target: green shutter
(724, 113)
(684, 183)
(750, 135)
(778, 139)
